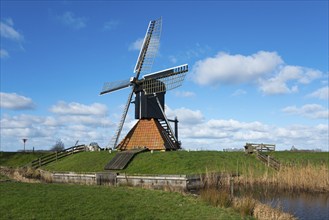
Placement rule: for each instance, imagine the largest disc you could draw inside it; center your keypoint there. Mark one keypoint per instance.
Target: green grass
(193, 162)
(18, 159)
(4, 178)
(174, 162)
(54, 201)
(302, 158)
(82, 162)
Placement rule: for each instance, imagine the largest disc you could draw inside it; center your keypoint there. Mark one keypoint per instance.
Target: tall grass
(215, 197)
(307, 178)
(266, 212)
(246, 206)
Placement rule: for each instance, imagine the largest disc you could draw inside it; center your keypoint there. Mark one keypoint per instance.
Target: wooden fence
(251, 147)
(270, 161)
(56, 155)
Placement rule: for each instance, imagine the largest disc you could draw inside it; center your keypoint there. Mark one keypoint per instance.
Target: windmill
(153, 129)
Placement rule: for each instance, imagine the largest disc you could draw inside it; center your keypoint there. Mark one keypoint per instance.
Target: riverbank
(304, 178)
(64, 201)
(307, 172)
(245, 205)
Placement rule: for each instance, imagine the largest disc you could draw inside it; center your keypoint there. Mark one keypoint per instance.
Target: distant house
(93, 146)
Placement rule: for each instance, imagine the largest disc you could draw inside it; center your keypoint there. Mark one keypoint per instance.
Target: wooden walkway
(122, 159)
(261, 151)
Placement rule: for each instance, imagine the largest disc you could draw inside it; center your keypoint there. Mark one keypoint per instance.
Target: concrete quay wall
(172, 182)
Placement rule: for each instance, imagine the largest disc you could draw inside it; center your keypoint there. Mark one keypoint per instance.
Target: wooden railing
(252, 147)
(270, 161)
(56, 156)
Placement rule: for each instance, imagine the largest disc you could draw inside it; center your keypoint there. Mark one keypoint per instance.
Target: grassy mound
(302, 158)
(175, 162)
(54, 201)
(18, 159)
(82, 162)
(184, 162)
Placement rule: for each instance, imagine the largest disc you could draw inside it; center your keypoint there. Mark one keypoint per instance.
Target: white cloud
(90, 120)
(314, 111)
(110, 25)
(74, 108)
(217, 134)
(278, 84)
(322, 93)
(185, 115)
(71, 20)
(184, 94)
(4, 53)
(14, 101)
(136, 45)
(7, 31)
(226, 68)
(195, 131)
(265, 69)
(86, 123)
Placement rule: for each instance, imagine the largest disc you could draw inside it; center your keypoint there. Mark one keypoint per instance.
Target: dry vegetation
(246, 206)
(307, 178)
(26, 174)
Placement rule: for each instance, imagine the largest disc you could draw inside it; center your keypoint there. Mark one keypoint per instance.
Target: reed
(246, 206)
(265, 212)
(306, 178)
(215, 197)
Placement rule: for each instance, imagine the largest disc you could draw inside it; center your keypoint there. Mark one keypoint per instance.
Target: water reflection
(304, 206)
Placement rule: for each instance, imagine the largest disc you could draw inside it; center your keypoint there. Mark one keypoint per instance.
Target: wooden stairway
(267, 159)
(122, 159)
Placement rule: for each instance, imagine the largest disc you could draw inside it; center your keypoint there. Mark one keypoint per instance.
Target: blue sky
(258, 71)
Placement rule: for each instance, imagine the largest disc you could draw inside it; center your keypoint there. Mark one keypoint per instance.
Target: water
(304, 206)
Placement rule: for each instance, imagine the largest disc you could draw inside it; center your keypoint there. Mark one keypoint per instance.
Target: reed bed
(307, 178)
(246, 206)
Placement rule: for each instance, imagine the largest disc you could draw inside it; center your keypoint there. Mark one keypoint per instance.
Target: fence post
(232, 186)
(268, 160)
(40, 162)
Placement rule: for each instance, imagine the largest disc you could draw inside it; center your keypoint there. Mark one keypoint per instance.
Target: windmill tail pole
(165, 117)
(176, 126)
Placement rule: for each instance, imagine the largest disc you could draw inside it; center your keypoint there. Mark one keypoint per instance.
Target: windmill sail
(164, 80)
(113, 86)
(116, 136)
(149, 48)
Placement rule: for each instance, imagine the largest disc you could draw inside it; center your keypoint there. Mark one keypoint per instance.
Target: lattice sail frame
(149, 48)
(113, 86)
(164, 80)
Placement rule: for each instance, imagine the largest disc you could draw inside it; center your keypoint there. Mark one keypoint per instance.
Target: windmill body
(146, 106)
(153, 130)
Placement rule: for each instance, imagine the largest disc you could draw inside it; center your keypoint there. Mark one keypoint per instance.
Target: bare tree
(59, 146)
